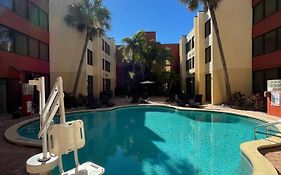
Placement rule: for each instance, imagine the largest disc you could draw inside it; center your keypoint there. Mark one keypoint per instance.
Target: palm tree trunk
(80, 64)
(134, 71)
(142, 71)
(216, 28)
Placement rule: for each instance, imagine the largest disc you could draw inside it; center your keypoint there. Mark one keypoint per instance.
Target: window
(89, 57)
(33, 48)
(107, 49)
(103, 45)
(6, 39)
(21, 7)
(270, 41)
(7, 3)
(258, 46)
(208, 87)
(106, 85)
(207, 28)
(208, 54)
(21, 43)
(258, 12)
(168, 66)
(192, 63)
(44, 51)
(260, 79)
(33, 14)
(187, 65)
(258, 82)
(270, 7)
(106, 65)
(279, 38)
(43, 20)
(187, 46)
(192, 43)
(90, 85)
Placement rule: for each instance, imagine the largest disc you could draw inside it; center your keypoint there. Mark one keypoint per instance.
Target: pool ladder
(267, 131)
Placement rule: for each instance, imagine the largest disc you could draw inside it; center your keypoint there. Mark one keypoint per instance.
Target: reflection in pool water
(156, 140)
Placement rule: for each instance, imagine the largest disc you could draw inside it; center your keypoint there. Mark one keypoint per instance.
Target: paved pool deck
(13, 157)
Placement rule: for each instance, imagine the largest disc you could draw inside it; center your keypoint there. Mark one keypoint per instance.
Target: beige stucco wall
(199, 24)
(65, 48)
(182, 50)
(235, 29)
(66, 44)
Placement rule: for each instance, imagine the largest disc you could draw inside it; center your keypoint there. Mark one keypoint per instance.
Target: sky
(168, 18)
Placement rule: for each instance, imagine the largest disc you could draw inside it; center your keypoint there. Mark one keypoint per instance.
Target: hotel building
(201, 68)
(99, 66)
(24, 48)
(266, 34)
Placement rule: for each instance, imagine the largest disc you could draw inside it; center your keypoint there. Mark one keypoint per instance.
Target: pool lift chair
(62, 138)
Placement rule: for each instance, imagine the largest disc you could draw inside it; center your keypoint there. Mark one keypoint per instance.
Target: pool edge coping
(250, 149)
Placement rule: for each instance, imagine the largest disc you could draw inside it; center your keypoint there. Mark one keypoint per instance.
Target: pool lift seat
(67, 137)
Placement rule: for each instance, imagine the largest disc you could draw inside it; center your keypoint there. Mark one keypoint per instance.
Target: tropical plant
(133, 50)
(90, 17)
(211, 5)
(157, 57)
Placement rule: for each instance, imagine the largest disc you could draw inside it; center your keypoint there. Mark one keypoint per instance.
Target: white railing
(267, 131)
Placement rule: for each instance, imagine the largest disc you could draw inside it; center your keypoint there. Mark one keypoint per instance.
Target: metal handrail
(266, 127)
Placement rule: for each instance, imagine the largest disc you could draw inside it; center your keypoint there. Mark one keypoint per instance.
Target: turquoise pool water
(156, 140)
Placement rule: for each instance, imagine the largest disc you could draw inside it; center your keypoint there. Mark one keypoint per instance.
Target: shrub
(238, 99)
(81, 100)
(70, 101)
(105, 96)
(256, 102)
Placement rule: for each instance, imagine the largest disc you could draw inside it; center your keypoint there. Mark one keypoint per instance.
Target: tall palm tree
(211, 5)
(90, 17)
(133, 50)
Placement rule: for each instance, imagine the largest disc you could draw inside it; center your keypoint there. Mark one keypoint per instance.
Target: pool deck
(13, 157)
(16, 155)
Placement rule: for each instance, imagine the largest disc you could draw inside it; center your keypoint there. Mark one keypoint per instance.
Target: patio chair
(67, 137)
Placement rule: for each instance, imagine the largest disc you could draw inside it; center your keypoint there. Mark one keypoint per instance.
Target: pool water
(156, 140)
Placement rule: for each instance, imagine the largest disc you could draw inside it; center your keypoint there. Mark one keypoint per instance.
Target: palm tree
(156, 57)
(90, 17)
(211, 5)
(133, 50)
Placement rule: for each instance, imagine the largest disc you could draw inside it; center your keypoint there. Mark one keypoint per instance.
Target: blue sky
(168, 18)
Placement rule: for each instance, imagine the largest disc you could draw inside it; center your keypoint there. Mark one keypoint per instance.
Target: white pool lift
(62, 138)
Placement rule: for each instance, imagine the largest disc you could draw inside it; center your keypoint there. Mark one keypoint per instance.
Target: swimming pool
(157, 140)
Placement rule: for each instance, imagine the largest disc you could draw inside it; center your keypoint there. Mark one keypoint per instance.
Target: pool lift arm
(63, 137)
(43, 162)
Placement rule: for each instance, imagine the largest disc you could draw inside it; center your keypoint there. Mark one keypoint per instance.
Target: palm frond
(89, 15)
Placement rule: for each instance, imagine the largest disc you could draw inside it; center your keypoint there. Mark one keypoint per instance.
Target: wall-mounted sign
(275, 98)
